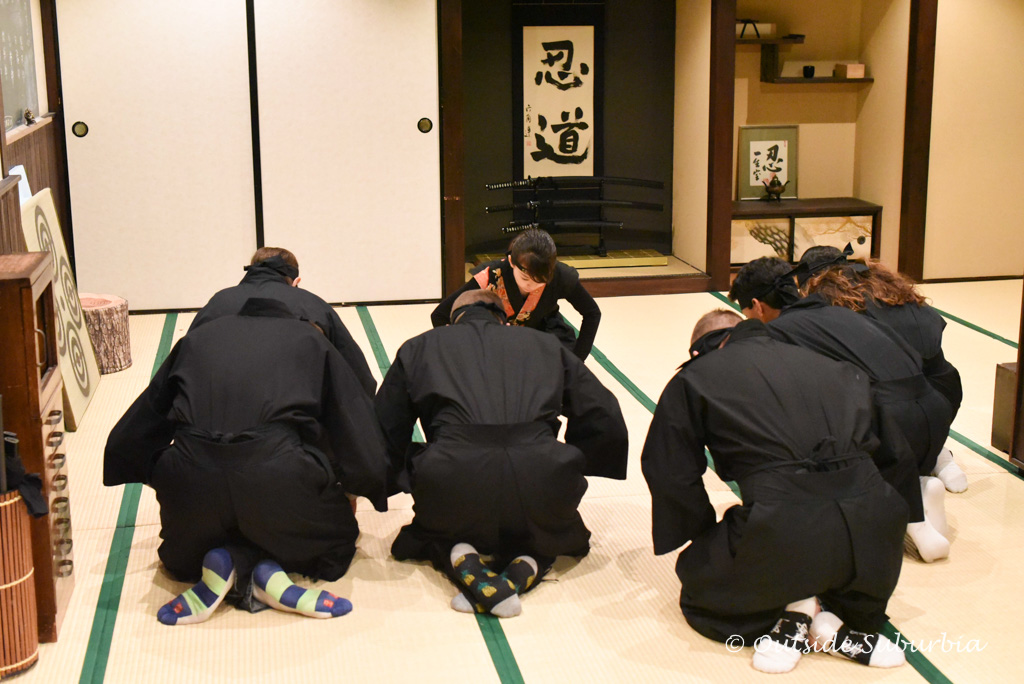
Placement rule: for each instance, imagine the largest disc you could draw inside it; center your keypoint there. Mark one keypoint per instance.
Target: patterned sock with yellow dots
(482, 583)
(522, 573)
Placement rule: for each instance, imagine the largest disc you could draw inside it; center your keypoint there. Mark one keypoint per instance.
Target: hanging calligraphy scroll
(559, 105)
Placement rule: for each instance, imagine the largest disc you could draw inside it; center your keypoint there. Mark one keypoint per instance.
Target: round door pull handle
(425, 125)
(80, 129)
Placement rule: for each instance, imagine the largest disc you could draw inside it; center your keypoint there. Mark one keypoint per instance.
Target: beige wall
(830, 37)
(974, 224)
(878, 171)
(826, 159)
(690, 170)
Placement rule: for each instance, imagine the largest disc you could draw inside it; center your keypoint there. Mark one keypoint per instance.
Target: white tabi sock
(874, 650)
(933, 494)
(808, 606)
(781, 649)
(952, 476)
(924, 541)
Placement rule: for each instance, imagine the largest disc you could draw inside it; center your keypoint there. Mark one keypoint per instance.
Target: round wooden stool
(106, 317)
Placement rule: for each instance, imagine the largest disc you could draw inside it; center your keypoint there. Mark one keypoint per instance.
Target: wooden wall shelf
(771, 67)
(824, 79)
(782, 40)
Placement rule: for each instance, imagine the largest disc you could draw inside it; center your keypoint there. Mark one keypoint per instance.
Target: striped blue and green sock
(198, 603)
(272, 586)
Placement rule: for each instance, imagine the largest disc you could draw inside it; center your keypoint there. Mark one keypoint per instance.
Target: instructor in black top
(531, 281)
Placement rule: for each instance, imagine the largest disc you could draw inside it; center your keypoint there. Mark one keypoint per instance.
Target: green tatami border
(976, 328)
(490, 627)
(917, 660)
(97, 653)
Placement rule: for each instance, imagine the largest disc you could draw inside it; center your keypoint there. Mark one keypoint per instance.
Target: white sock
(774, 658)
(874, 650)
(781, 649)
(952, 476)
(887, 654)
(807, 606)
(926, 541)
(933, 494)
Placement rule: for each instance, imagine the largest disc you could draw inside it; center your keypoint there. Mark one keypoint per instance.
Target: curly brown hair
(841, 286)
(891, 287)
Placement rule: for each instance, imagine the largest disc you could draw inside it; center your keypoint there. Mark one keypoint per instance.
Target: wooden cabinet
(30, 383)
(784, 217)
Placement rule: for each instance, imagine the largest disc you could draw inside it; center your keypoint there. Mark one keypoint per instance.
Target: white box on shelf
(764, 30)
(849, 71)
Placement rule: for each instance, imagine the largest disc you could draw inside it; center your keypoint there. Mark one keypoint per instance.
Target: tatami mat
(611, 617)
(990, 304)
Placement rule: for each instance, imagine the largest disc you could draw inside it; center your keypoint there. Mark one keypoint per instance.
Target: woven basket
(19, 635)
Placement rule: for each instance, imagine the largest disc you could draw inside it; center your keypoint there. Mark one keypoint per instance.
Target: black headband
(708, 342)
(778, 293)
(278, 265)
(806, 269)
(490, 306)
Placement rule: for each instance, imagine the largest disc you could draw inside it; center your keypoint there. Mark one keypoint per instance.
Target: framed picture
(557, 75)
(766, 152)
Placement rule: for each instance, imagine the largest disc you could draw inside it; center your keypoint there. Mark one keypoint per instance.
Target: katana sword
(574, 181)
(555, 204)
(559, 226)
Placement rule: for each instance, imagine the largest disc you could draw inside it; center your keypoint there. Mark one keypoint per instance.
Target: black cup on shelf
(809, 71)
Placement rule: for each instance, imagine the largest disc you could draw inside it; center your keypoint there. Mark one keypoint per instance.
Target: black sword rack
(570, 208)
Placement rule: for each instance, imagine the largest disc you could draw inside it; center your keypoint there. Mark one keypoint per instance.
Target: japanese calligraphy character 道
(568, 140)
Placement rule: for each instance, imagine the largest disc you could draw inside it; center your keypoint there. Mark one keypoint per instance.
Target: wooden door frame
(917, 136)
(1017, 446)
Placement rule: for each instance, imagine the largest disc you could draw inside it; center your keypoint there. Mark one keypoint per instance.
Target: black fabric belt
(904, 389)
(237, 444)
(850, 476)
(505, 434)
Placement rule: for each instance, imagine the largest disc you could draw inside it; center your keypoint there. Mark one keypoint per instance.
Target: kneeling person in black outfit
(815, 549)
(251, 433)
(493, 477)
